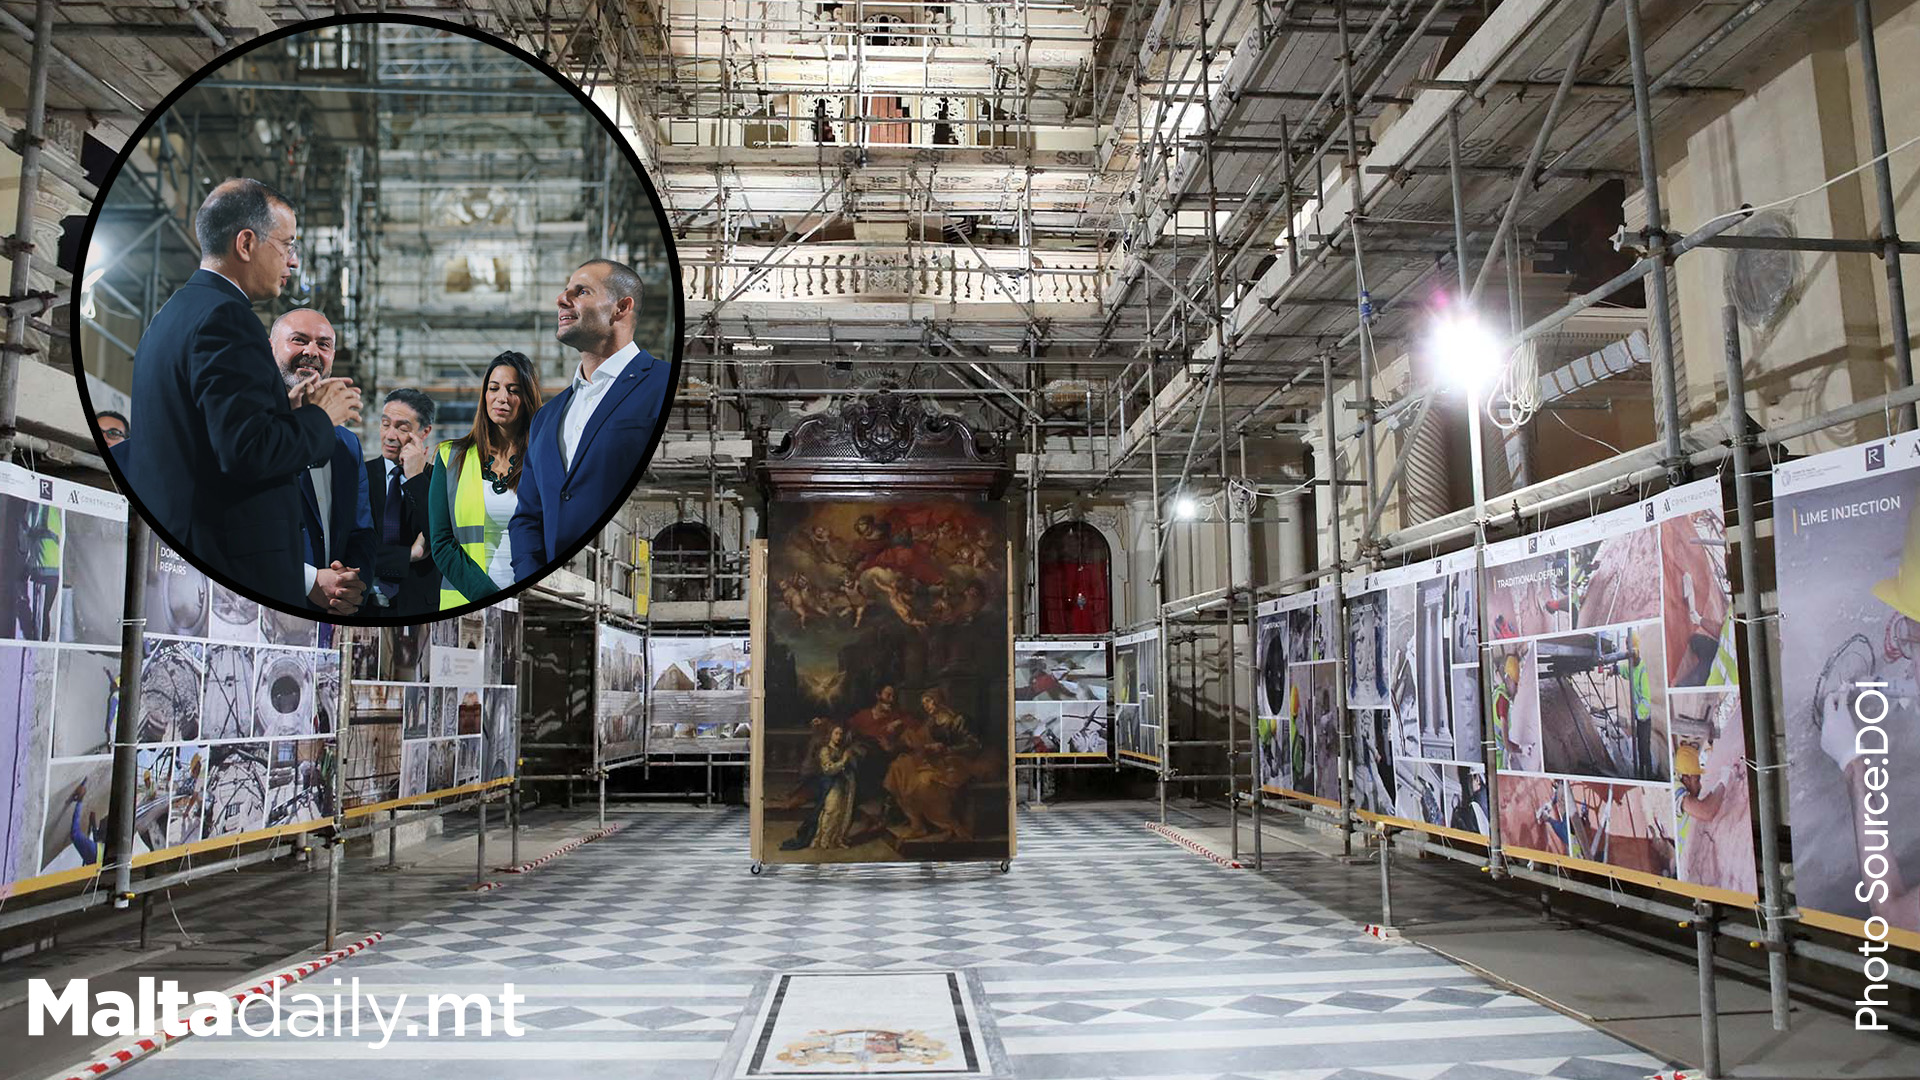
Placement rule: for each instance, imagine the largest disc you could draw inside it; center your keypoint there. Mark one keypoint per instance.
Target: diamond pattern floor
(1107, 952)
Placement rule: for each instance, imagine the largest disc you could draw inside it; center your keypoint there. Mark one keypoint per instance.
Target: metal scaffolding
(1146, 241)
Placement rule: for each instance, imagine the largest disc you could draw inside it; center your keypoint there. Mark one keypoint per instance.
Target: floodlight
(1185, 507)
(1468, 354)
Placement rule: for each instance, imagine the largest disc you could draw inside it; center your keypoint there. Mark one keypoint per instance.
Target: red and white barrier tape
(1170, 833)
(1384, 933)
(1677, 1074)
(141, 1047)
(570, 845)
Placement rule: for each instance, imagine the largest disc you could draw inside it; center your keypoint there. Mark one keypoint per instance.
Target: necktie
(390, 518)
(390, 530)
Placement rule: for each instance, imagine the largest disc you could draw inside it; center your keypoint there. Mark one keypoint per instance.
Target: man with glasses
(407, 581)
(223, 443)
(112, 427)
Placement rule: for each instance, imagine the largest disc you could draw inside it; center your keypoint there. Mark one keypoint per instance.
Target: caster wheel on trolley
(1006, 866)
(756, 868)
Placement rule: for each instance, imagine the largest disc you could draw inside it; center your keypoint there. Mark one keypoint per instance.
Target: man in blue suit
(337, 519)
(586, 442)
(222, 441)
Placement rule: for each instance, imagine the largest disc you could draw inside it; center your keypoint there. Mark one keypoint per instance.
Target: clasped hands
(338, 589)
(338, 397)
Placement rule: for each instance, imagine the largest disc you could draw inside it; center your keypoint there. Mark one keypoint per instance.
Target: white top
(500, 507)
(321, 477)
(587, 394)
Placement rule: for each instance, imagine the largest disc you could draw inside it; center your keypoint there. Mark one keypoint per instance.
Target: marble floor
(1106, 952)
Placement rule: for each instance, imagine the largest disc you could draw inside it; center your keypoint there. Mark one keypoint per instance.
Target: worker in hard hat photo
(1710, 801)
(1516, 713)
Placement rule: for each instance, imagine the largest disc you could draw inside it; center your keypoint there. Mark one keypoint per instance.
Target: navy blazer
(353, 536)
(560, 505)
(219, 477)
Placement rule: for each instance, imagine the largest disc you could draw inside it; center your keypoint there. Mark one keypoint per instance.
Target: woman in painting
(836, 763)
(940, 754)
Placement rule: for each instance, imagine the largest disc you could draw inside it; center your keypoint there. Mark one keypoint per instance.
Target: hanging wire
(1822, 186)
(1515, 395)
(1590, 438)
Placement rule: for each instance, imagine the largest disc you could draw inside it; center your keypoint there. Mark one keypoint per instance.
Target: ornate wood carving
(882, 444)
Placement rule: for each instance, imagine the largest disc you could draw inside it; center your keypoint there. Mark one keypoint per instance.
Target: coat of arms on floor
(870, 1024)
(865, 1047)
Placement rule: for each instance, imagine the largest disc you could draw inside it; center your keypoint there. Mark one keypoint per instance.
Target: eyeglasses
(291, 247)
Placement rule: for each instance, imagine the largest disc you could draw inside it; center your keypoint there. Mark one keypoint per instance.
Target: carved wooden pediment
(882, 443)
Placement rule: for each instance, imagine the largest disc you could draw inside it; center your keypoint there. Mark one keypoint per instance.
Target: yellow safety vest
(467, 506)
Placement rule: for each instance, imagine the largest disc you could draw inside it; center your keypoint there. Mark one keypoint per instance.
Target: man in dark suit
(406, 582)
(587, 440)
(224, 442)
(336, 520)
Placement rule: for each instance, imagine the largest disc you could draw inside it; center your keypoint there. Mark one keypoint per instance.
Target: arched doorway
(680, 563)
(1076, 594)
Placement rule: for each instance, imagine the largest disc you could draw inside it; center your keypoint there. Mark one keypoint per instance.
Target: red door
(1075, 596)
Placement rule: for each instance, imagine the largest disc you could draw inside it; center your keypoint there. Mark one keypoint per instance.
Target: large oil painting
(886, 733)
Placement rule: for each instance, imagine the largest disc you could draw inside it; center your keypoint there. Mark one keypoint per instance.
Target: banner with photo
(1846, 540)
(619, 725)
(1618, 727)
(1060, 698)
(702, 694)
(236, 731)
(1137, 726)
(1297, 720)
(1413, 686)
(435, 709)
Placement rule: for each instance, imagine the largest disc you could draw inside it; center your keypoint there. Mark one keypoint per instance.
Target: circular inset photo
(417, 331)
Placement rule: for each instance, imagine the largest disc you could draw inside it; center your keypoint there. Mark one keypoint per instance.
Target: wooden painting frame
(887, 450)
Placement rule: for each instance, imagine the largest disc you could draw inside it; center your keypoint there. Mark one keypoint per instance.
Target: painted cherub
(897, 591)
(827, 550)
(851, 598)
(797, 593)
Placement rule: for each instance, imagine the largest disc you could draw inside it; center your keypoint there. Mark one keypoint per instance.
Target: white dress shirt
(321, 477)
(587, 395)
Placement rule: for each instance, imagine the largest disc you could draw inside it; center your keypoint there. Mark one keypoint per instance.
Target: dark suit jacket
(352, 537)
(223, 450)
(559, 505)
(419, 592)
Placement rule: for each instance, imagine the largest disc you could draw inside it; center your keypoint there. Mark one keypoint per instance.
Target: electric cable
(1822, 186)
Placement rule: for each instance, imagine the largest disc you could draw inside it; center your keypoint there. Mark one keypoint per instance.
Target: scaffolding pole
(1883, 190)
(126, 726)
(1339, 628)
(1773, 896)
(32, 145)
(336, 839)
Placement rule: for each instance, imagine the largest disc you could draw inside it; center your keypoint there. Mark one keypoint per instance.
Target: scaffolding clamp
(46, 298)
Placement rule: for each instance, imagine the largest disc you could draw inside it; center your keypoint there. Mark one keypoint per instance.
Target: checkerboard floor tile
(1106, 952)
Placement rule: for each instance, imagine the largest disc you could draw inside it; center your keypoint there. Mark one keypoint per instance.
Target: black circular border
(633, 161)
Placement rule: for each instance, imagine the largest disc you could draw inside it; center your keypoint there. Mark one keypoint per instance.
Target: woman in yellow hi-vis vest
(474, 487)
